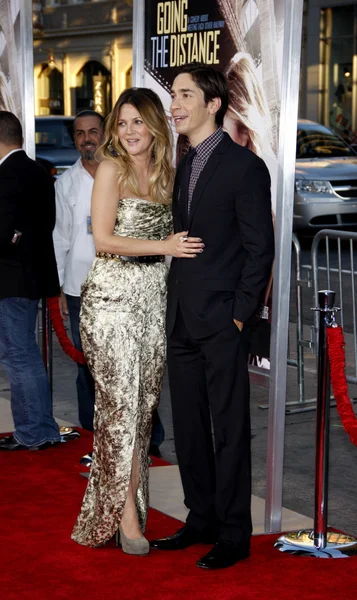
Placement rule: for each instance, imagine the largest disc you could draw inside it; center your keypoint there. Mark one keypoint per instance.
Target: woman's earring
(111, 149)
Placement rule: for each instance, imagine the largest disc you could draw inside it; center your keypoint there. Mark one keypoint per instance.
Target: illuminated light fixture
(51, 60)
(347, 73)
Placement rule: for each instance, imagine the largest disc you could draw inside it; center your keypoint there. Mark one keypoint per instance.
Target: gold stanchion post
(320, 542)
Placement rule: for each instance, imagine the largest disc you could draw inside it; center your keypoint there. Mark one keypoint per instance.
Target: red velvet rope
(336, 351)
(57, 322)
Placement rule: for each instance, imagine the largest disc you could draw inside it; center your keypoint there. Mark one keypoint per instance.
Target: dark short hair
(88, 113)
(10, 129)
(212, 83)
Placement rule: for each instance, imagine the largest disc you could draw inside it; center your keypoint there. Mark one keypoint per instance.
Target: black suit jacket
(27, 203)
(231, 213)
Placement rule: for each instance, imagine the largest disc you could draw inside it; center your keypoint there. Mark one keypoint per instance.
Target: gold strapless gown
(122, 327)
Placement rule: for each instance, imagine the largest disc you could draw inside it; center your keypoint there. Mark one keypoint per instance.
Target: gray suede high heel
(140, 546)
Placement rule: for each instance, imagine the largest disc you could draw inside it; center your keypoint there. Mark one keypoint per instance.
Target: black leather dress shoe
(183, 538)
(224, 554)
(10, 443)
(45, 445)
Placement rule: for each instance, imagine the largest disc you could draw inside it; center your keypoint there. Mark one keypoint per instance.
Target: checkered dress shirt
(203, 152)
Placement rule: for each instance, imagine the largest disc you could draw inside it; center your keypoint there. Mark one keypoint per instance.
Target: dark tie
(185, 181)
(187, 176)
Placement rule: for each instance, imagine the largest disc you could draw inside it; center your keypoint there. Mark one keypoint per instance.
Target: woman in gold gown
(122, 321)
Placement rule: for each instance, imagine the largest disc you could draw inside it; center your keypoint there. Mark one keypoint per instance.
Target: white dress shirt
(73, 241)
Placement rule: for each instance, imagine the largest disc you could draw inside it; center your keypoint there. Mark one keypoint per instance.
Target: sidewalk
(298, 493)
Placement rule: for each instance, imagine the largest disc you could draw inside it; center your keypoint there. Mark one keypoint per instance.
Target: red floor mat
(40, 497)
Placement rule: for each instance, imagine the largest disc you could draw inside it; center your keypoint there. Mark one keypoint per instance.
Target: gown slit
(122, 327)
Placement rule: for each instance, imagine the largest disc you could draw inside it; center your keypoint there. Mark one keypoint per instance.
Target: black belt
(132, 259)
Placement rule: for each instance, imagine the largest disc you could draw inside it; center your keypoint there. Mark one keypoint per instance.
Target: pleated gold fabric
(123, 337)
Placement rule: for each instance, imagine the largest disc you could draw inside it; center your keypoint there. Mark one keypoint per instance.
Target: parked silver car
(325, 179)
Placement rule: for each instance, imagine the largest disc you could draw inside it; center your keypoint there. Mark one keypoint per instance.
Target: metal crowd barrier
(317, 276)
(301, 344)
(329, 271)
(324, 272)
(260, 376)
(321, 273)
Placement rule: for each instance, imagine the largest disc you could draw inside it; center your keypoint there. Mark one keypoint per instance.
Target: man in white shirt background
(73, 240)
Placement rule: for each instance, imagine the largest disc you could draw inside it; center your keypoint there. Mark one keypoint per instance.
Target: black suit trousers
(209, 381)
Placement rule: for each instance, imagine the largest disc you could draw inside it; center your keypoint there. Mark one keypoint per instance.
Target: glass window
(317, 141)
(54, 132)
(338, 54)
(64, 2)
(343, 20)
(93, 88)
(340, 85)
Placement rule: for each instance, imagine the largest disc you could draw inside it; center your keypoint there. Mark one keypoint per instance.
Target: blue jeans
(31, 402)
(84, 381)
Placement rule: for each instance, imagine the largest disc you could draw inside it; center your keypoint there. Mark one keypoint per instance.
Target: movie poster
(243, 39)
(10, 56)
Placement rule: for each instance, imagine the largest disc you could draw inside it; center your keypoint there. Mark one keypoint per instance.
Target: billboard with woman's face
(10, 56)
(243, 39)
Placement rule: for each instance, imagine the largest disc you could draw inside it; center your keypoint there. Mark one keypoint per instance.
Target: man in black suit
(28, 272)
(221, 195)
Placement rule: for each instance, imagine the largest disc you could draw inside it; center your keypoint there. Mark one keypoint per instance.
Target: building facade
(82, 54)
(83, 58)
(329, 65)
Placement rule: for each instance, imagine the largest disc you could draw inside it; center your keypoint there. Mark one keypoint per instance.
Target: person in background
(73, 241)
(27, 273)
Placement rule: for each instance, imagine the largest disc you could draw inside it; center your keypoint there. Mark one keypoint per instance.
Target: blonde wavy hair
(6, 102)
(248, 105)
(152, 112)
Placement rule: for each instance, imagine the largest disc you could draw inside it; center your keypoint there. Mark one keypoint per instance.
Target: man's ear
(214, 105)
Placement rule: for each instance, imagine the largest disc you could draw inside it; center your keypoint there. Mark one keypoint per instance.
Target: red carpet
(40, 496)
